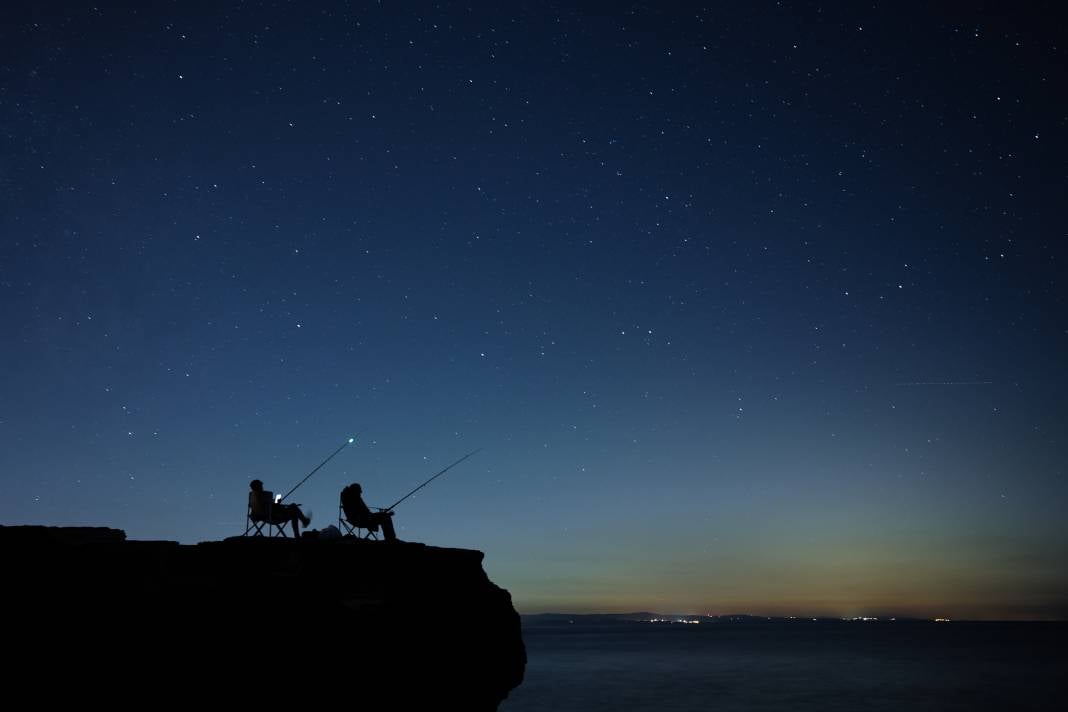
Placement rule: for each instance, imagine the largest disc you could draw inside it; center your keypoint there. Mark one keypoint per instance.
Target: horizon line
(858, 618)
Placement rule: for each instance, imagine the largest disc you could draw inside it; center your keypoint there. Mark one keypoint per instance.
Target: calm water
(894, 666)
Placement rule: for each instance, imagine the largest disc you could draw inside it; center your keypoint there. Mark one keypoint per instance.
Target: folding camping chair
(351, 529)
(259, 516)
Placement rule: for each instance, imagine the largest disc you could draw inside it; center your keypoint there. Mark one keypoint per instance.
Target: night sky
(755, 308)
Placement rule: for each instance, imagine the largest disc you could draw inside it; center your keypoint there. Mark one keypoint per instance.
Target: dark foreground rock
(93, 617)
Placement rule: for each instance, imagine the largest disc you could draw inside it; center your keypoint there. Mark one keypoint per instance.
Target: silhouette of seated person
(360, 516)
(264, 509)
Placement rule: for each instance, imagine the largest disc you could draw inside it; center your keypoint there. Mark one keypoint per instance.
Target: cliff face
(268, 621)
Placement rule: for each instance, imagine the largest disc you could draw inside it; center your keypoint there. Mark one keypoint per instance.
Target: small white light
(352, 439)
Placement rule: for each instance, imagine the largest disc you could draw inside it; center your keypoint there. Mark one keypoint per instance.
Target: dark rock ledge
(93, 617)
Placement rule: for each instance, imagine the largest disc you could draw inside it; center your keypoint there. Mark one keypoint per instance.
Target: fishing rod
(343, 446)
(390, 509)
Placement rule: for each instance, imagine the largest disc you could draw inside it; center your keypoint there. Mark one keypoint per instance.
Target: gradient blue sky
(752, 309)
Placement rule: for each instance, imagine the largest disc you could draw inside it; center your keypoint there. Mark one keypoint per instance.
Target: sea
(723, 667)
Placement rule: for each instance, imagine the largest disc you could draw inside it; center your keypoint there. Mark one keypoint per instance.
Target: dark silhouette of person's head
(256, 486)
(356, 488)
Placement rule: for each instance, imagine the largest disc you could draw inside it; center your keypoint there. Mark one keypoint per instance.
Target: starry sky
(753, 308)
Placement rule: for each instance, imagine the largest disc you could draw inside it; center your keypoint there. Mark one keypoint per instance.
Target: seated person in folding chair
(358, 515)
(264, 509)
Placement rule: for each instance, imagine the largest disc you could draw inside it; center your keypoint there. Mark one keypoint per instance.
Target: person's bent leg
(291, 513)
(387, 526)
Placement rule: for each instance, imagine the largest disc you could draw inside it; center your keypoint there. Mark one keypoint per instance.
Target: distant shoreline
(742, 618)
